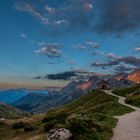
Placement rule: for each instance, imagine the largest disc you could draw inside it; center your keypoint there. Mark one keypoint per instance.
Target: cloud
(23, 35)
(87, 7)
(69, 15)
(98, 52)
(61, 76)
(137, 49)
(93, 44)
(123, 68)
(25, 7)
(76, 74)
(37, 77)
(111, 63)
(50, 50)
(119, 16)
(60, 22)
(113, 56)
(131, 60)
(88, 44)
(49, 10)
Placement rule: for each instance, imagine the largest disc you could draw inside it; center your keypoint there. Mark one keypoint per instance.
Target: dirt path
(128, 127)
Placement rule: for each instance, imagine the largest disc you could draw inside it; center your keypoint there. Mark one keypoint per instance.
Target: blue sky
(50, 36)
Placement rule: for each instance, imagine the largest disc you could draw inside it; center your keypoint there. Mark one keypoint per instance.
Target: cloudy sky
(40, 37)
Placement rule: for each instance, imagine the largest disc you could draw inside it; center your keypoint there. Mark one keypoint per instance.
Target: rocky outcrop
(59, 134)
(121, 83)
(134, 76)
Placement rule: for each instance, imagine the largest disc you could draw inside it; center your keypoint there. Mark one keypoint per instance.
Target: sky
(42, 37)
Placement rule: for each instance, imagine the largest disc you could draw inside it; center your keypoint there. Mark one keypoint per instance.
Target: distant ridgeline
(38, 103)
(12, 95)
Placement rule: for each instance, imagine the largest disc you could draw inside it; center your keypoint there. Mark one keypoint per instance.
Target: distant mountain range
(38, 103)
(12, 95)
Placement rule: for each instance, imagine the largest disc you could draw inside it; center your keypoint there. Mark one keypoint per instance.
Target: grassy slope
(6, 111)
(88, 118)
(132, 95)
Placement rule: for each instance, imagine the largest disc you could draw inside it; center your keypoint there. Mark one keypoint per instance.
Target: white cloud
(49, 10)
(113, 56)
(25, 7)
(23, 35)
(89, 44)
(137, 49)
(50, 50)
(87, 7)
(93, 44)
(58, 22)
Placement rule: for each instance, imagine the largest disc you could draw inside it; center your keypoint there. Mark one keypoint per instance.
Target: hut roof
(102, 81)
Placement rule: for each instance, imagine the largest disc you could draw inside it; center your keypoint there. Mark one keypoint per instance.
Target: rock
(59, 134)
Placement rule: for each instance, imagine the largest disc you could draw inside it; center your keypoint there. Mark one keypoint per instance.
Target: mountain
(120, 76)
(115, 84)
(12, 95)
(134, 76)
(91, 83)
(38, 103)
(6, 112)
(29, 101)
(91, 117)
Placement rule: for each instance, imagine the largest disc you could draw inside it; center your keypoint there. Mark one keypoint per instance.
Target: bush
(29, 128)
(49, 125)
(2, 124)
(53, 120)
(82, 125)
(18, 125)
(60, 117)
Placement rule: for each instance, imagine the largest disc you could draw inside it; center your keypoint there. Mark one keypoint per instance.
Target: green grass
(134, 99)
(126, 91)
(132, 95)
(88, 118)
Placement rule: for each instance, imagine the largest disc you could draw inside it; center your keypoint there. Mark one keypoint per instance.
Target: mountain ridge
(70, 92)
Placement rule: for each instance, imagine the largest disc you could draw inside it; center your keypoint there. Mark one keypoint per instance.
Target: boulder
(59, 134)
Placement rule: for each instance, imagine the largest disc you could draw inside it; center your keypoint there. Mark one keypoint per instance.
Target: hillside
(6, 112)
(28, 102)
(88, 118)
(40, 103)
(132, 94)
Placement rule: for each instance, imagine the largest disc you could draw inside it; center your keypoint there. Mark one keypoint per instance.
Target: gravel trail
(128, 127)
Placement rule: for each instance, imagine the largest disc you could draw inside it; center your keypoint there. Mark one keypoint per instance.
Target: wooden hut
(103, 85)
